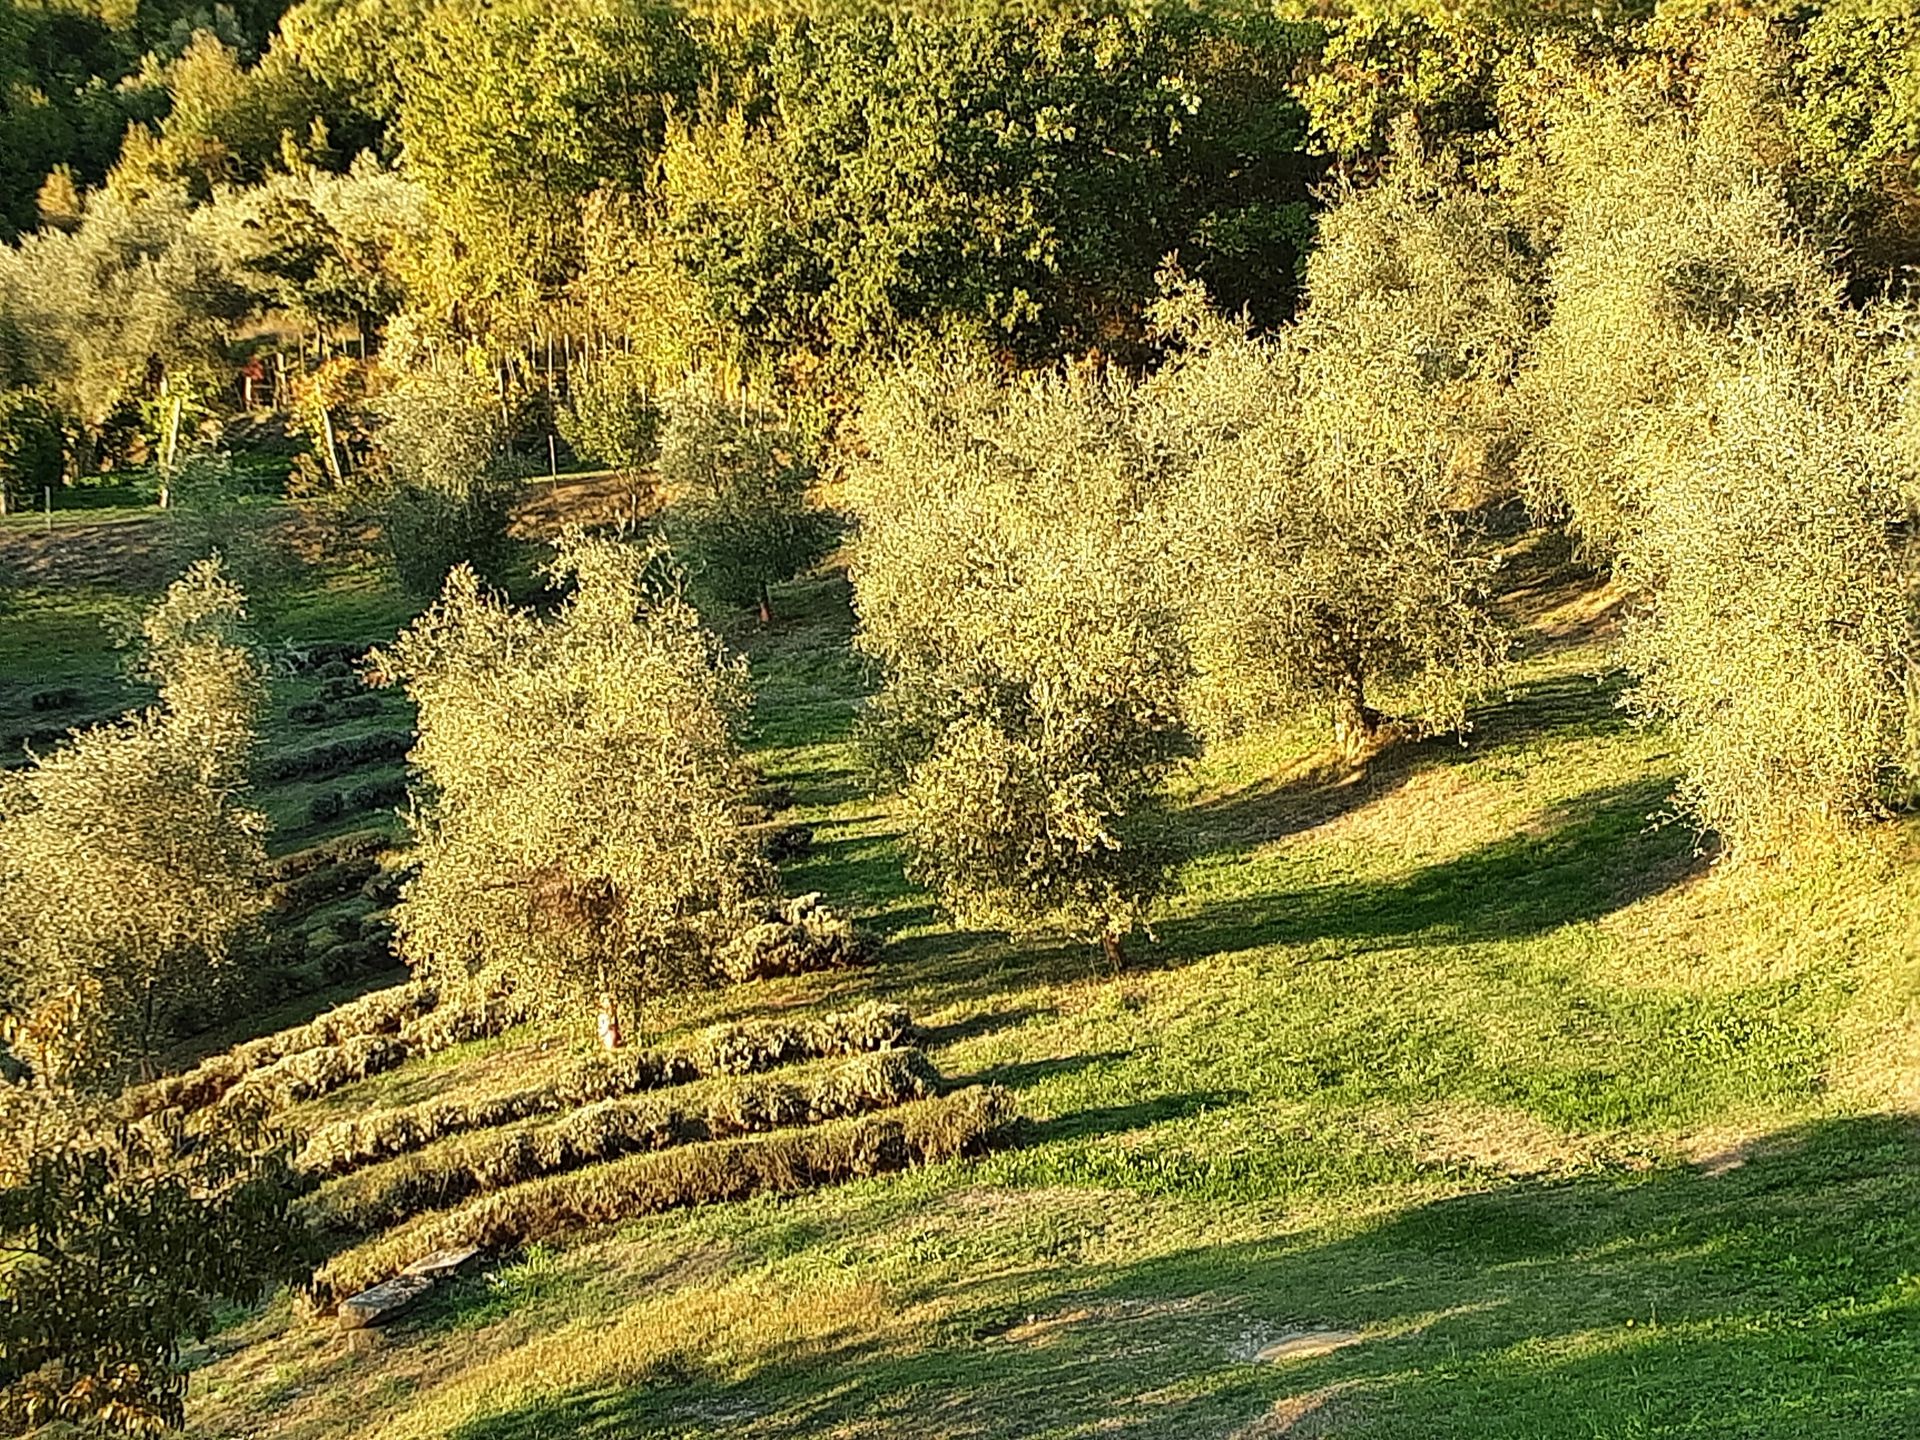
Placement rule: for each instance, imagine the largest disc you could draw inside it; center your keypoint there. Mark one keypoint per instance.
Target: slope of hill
(1457, 1095)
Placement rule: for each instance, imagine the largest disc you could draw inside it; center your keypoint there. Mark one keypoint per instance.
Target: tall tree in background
(513, 115)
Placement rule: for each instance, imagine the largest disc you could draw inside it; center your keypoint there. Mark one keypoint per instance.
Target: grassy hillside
(1457, 1095)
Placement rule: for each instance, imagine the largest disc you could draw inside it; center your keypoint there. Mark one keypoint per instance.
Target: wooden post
(553, 459)
(333, 455)
(171, 452)
(48, 492)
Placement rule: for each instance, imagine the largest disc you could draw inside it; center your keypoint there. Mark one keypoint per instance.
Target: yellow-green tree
(579, 786)
(129, 861)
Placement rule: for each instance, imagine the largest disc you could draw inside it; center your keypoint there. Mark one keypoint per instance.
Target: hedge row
(329, 712)
(336, 755)
(797, 938)
(349, 1042)
(782, 1163)
(341, 850)
(330, 657)
(743, 1049)
(469, 1165)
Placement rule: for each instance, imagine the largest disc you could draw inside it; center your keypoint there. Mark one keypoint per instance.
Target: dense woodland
(1159, 375)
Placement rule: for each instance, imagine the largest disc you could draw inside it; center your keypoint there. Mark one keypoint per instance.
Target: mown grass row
(740, 1049)
(784, 1162)
(468, 1165)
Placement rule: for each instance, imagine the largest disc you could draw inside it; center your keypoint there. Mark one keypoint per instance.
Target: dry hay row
(382, 1012)
(384, 1195)
(781, 1163)
(310, 1073)
(739, 1049)
(795, 937)
(364, 1037)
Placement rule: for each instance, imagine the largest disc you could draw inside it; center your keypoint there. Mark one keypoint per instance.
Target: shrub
(378, 794)
(359, 847)
(120, 1243)
(726, 1050)
(335, 755)
(381, 1012)
(927, 1132)
(327, 806)
(385, 1195)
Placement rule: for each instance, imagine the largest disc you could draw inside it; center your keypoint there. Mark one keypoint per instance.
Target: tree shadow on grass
(1598, 853)
(1773, 1301)
(1557, 707)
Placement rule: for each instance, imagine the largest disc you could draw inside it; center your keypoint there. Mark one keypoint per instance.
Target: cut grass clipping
(744, 1049)
(785, 1162)
(469, 1165)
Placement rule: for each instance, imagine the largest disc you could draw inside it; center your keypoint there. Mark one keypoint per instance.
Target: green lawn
(1458, 1097)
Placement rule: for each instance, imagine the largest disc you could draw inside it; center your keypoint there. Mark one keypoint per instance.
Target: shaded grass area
(1467, 1061)
(1775, 1299)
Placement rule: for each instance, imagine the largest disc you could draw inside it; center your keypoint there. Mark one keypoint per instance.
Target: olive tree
(1318, 540)
(737, 486)
(1670, 231)
(130, 863)
(450, 492)
(579, 786)
(1772, 550)
(1032, 680)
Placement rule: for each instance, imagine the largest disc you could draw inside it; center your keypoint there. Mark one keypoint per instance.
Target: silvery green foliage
(129, 861)
(737, 479)
(1670, 233)
(579, 786)
(1772, 550)
(82, 312)
(441, 432)
(1033, 678)
(1315, 528)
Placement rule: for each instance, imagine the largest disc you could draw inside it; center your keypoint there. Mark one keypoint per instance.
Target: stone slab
(383, 1301)
(446, 1264)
